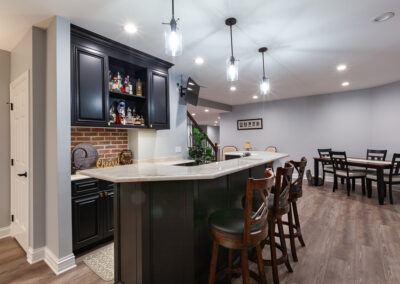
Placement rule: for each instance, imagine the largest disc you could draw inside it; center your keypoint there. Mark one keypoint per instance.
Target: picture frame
(250, 124)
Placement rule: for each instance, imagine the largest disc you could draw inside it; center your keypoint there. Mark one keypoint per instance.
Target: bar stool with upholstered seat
(326, 166)
(271, 149)
(296, 191)
(228, 149)
(279, 206)
(238, 229)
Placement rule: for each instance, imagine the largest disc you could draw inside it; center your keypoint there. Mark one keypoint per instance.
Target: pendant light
(264, 85)
(232, 64)
(173, 36)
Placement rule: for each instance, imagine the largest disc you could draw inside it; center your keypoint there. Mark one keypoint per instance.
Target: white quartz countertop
(168, 171)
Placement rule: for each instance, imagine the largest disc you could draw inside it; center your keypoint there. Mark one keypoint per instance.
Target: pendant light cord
(231, 42)
(263, 65)
(173, 10)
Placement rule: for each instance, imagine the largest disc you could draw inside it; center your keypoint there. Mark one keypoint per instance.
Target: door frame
(24, 75)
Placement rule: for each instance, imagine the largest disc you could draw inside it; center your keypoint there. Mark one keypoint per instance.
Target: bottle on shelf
(119, 81)
(126, 84)
(114, 84)
(130, 86)
(110, 81)
(139, 88)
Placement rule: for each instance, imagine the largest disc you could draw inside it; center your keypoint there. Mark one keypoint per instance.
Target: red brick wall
(109, 142)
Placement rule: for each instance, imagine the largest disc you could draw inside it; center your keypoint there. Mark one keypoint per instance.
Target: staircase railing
(192, 123)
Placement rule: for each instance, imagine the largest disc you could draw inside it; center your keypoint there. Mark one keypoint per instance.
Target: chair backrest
(228, 149)
(324, 153)
(339, 161)
(376, 155)
(254, 216)
(283, 182)
(271, 149)
(300, 166)
(395, 170)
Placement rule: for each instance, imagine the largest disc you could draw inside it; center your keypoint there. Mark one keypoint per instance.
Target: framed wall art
(250, 124)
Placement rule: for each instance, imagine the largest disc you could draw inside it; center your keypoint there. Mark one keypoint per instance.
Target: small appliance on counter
(83, 156)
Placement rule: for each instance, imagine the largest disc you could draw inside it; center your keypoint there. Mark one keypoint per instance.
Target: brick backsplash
(108, 142)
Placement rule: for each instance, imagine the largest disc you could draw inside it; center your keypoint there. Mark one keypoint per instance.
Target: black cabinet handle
(25, 174)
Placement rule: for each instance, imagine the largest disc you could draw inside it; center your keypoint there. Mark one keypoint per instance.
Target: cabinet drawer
(86, 186)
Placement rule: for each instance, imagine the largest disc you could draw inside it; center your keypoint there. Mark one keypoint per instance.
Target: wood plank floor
(348, 240)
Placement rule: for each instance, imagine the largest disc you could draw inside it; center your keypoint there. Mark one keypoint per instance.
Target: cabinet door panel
(87, 223)
(159, 100)
(90, 77)
(109, 214)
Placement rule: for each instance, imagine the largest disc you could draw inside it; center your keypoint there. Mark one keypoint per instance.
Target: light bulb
(173, 42)
(264, 86)
(232, 70)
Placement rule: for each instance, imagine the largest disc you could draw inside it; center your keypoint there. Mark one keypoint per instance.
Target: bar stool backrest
(297, 185)
(271, 149)
(324, 153)
(228, 149)
(283, 181)
(376, 155)
(395, 171)
(254, 216)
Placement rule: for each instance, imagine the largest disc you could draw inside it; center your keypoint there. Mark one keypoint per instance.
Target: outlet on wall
(178, 149)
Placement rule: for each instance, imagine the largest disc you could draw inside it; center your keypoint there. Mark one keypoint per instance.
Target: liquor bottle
(110, 81)
(114, 84)
(119, 81)
(130, 86)
(126, 85)
(139, 88)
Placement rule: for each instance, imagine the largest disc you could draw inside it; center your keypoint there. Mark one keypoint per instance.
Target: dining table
(379, 166)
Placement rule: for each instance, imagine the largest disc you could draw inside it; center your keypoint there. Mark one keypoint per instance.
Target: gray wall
(4, 139)
(350, 121)
(213, 133)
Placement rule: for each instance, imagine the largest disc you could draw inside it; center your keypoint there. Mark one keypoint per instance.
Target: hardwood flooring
(348, 240)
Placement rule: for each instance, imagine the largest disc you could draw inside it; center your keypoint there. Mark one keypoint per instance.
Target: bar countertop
(168, 171)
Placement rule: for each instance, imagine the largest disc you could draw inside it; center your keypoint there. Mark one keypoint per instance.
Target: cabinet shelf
(126, 126)
(124, 96)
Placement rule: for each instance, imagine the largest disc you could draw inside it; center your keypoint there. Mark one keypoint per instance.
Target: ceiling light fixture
(264, 85)
(232, 88)
(215, 122)
(384, 17)
(255, 97)
(173, 37)
(345, 84)
(232, 64)
(130, 28)
(341, 67)
(219, 117)
(193, 114)
(206, 110)
(199, 60)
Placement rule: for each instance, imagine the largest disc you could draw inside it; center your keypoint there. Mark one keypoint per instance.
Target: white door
(19, 123)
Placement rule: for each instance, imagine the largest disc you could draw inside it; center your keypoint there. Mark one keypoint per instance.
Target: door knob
(25, 174)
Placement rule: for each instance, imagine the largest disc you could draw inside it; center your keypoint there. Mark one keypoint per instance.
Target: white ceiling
(306, 38)
(205, 118)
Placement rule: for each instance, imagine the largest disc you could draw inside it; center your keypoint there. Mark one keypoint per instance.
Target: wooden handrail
(213, 145)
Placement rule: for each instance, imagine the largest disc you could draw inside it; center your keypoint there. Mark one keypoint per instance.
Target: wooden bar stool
(238, 229)
(279, 206)
(296, 191)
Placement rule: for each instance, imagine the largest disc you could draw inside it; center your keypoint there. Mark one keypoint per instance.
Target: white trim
(35, 255)
(4, 232)
(59, 265)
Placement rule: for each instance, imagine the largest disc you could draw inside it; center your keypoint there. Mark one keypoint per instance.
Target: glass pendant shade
(232, 69)
(264, 86)
(173, 42)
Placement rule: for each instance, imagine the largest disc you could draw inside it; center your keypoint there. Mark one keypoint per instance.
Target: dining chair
(272, 149)
(228, 149)
(326, 166)
(392, 178)
(341, 170)
(375, 155)
(242, 229)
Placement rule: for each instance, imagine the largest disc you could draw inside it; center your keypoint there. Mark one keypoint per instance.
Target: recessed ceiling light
(233, 88)
(384, 17)
(215, 125)
(199, 60)
(219, 117)
(255, 97)
(341, 67)
(193, 114)
(215, 122)
(130, 28)
(345, 84)
(206, 110)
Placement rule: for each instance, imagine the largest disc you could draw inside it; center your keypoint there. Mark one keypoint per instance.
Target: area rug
(102, 262)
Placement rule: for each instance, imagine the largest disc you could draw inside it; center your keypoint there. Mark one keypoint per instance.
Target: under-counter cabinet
(93, 59)
(92, 213)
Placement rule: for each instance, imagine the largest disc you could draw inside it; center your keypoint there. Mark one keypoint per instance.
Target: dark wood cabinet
(158, 100)
(90, 104)
(92, 213)
(92, 58)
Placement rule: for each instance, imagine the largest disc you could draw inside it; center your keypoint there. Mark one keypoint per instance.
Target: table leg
(380, 185)
(316, 172)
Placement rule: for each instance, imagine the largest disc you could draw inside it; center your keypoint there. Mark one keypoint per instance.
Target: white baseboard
(4, 232)
(35, 255)
(59, 265)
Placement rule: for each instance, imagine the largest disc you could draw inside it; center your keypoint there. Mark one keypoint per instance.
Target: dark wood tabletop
(360, 162)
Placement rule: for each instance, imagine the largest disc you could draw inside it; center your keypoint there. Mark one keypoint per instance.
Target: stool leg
(213, 265)
(342, 180)
(369, 188)
(260, 264)
(297, 222)
(245, 267)
(348, 186)
(353, 184)
(363, 185)
(273, 251)
(283, 244)
(230, 265)
(390, 193)
(291, 234)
